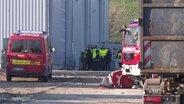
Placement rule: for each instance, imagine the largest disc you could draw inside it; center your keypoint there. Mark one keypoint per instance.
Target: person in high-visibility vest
(120, 58)
(108, 59)
(95, 52)
(88, 57)
(95, 57)
(103, 52)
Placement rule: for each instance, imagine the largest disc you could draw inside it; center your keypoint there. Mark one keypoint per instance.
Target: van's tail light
(152, 99)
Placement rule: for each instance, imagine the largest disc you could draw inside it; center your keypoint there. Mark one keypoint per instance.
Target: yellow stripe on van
(21, 62)
(36, 63)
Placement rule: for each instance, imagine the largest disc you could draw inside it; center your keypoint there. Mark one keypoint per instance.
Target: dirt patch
(66, 87)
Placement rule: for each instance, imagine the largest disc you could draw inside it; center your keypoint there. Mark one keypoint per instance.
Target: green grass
(120, 13)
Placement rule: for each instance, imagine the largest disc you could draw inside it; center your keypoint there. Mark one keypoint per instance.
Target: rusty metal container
(163, 28)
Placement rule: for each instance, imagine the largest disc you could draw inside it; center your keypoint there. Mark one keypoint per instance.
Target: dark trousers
(89, 64)
(103, 64)
(119, 64)
(107, 65)
(96, 64)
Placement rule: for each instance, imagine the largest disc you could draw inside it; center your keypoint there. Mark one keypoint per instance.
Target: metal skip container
(163, 30)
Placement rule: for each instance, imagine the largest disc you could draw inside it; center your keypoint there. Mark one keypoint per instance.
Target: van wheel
(45, 79)
(8, 77)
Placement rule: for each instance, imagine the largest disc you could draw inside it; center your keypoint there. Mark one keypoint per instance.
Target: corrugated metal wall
(78, 31)
(79, 23)
(22, 15)
(58, 31)
(72, 24)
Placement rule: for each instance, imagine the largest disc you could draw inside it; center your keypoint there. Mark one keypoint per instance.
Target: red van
(29, 54)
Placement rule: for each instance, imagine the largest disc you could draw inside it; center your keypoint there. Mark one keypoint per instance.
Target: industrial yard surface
(66, 87)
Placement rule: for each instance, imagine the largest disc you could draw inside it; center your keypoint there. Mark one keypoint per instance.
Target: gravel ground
(66, 87)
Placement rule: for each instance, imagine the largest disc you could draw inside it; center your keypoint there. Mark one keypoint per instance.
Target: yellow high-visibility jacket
(119, 57)
(103, 53)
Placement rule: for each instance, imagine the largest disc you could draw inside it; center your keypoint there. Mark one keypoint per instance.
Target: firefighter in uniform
(88, 56)
(95, 57)
(103, 52)
(95, 52)
(120, 58)
(108, 59)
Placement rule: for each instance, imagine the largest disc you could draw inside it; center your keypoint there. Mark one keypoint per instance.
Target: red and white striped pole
(147, 54)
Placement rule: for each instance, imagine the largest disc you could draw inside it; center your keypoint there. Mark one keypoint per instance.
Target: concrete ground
(66, 87)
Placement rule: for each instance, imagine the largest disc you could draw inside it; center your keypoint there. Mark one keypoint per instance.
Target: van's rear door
(26, 56)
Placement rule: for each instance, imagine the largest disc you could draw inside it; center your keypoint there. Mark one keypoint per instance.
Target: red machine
(130, 57)
(29, 54)
(131, 49)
